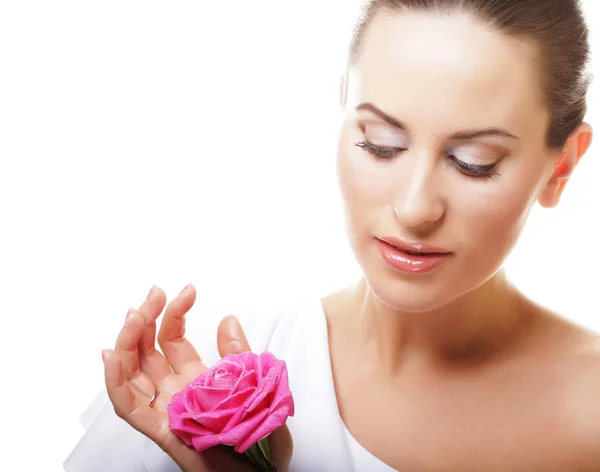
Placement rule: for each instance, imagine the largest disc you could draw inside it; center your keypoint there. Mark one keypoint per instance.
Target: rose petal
(199, 398)
(267, 385)
(271, 422)
(224, 374)
(215, 421)
(176, 405)
(242, 412)
(240, 432)
(186, 426)
(202, 443)
(249, 379)
(249, 359)
(236, 400)
(198, 380)
(285, 401)
(268, 360)
(190, 399)
(240, 400)
(221, 379)
(260, 399)
(282, 392)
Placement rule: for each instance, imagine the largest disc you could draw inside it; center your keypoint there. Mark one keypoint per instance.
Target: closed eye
(469, 170)
(472, 170)
(380, 152)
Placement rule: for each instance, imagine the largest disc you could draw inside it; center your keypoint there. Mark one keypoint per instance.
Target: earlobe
(550, 194)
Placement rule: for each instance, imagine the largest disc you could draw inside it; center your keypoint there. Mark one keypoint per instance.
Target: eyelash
(470, 170)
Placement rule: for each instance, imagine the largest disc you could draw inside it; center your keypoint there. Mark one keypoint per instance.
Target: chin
(407, 293)
(417, 293)
(408, 298)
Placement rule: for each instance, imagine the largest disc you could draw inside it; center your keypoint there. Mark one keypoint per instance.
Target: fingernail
(234, 347)
(129, 313)
(231, 323)
(233, 328)
(151, 292)
(104, 351)
(185, 289)
(233, 335)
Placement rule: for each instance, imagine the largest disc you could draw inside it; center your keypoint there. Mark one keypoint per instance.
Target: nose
(418, 200)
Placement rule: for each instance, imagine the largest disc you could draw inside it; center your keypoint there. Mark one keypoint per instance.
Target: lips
(415, 249)
(414, 253)
(411, 258)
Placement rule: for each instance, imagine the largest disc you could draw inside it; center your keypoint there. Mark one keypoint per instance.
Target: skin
(135, 368)
(469, 375)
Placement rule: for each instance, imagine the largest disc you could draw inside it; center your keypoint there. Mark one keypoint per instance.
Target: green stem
(259, 455)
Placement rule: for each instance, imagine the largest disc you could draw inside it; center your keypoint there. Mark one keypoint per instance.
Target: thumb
(230, 337)
(281, 448)
(232, 340)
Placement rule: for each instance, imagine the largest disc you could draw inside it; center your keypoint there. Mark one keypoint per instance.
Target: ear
(576, 146)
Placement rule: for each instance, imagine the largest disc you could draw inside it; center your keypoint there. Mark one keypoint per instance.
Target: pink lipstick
(412, 258)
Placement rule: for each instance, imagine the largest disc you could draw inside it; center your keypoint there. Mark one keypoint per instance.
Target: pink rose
(237, 402)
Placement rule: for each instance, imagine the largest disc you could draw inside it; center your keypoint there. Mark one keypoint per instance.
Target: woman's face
(459, 169)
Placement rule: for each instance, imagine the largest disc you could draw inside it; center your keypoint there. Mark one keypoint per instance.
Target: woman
(458, 116)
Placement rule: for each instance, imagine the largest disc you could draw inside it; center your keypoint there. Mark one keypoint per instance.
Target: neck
(474, 327)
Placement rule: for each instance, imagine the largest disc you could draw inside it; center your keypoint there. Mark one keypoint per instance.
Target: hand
(135, 368)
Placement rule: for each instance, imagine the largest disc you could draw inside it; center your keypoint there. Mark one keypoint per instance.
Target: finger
(230, 337)
(152, 362)
(151, 310)
(119, 392)
(220, 459)
(127, 405)
(127, 343)
(179, 352)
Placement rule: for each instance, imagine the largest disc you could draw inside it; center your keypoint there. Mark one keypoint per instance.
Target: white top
(298, 335)
(362, 459)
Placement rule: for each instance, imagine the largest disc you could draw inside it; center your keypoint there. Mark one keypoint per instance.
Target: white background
(165, 143)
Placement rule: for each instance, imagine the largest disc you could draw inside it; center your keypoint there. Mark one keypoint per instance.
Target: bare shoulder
(573, 350)
(573, 355)
(584, 398)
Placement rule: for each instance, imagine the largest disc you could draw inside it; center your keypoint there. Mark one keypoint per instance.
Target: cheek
(358, 178)
(493, 220)
(348, 174)
(364, 201)
(362, 180)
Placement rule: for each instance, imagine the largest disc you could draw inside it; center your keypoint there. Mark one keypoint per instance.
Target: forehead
(448, 71)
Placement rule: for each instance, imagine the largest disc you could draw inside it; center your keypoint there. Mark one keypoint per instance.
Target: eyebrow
(459, 136)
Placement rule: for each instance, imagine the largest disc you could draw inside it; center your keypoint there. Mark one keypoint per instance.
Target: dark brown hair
(557, 27)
